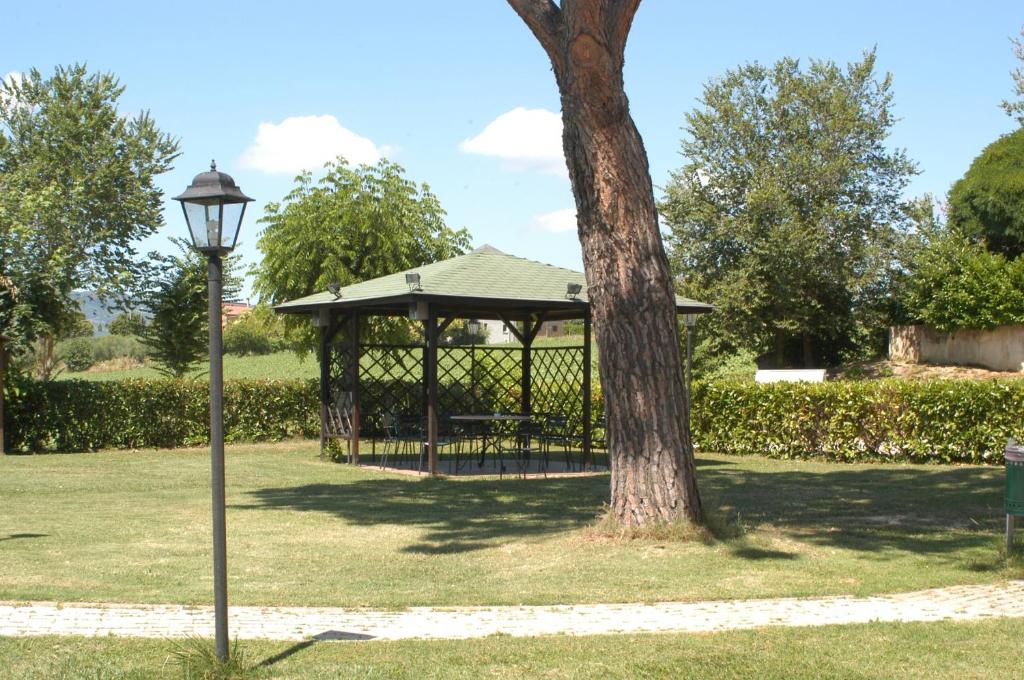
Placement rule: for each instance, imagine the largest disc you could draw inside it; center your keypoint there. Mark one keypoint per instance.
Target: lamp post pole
(214, 206)
(220, 541)
(690, 320)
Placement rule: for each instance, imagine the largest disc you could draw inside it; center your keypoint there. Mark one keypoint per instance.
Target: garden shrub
(943, 421)
(78, 415)
(79, 354)
(258, 331)
(117, 347)
(76, 354)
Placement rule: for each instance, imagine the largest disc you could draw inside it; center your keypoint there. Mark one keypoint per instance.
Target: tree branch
(620, 20)
(544, 19)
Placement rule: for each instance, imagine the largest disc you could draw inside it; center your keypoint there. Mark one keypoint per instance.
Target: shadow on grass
(929, 510)
(748, 553)
(458, 516)
(12, 537)
(880, 509)
(306, 644)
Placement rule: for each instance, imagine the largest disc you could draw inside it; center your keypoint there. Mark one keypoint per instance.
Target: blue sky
(267, 87)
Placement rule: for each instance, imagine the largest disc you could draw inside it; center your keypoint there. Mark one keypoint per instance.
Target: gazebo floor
(471, 468)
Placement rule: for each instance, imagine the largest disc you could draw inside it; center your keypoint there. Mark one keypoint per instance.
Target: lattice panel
(556, 383)
(339, 372)
(479, 379)
(390, 380)
(470, 380)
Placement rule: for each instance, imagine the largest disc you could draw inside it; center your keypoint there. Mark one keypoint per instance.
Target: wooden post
(525, 401)
(325, 383)
(431, 379)
(587, 416)
(353, 326)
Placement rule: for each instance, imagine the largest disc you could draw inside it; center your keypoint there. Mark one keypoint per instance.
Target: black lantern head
(214, 207)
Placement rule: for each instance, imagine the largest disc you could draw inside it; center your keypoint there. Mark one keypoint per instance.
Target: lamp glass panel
(203, 224)
(233, 213)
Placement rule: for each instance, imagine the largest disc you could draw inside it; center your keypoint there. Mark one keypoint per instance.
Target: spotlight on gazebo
(572, 290)
(413, 281)
(334, 289)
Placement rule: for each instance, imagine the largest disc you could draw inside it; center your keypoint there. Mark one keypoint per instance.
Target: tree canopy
(987, 204)
(77, 189)
(957, 283)
(788, 212)
(354, 224)
(176, 300)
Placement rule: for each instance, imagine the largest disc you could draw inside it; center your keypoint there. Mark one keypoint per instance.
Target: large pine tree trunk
(630, 285)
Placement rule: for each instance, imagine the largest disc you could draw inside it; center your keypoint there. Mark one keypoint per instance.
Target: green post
(1014, 499)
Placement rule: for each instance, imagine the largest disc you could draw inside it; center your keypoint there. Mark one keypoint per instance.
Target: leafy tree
(76, 354)
(788, 213)
(15, 318)
(355, 223)
(127, 324)
(987, 204)
(957, 282)
(459, 333)
(258, 331)
(73, 326)
(77, 190)
(1016, 108)
(177, 334)
(653, 478)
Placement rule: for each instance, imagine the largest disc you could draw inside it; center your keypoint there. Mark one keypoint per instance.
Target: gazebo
(429, 376)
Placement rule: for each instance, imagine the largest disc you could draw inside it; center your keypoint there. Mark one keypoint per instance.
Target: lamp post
(690, 320)
(214, 206)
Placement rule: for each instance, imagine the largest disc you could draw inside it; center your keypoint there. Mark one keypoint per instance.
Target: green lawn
(271, 366)
(280, 365)
(984, 649)
(134, 527)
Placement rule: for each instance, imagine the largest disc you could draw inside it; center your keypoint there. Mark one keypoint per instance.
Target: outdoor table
(493, 441)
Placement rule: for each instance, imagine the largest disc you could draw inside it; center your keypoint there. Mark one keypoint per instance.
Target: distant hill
(96, 310)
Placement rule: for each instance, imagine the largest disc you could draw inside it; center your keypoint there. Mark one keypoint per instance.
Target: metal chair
(392, 437)
(526, 442)
(556, 432)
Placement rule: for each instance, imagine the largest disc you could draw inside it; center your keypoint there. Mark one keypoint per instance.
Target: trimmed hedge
(946, 421)
(78, 415)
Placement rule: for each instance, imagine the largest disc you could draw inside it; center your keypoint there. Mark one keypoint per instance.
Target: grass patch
(277, 366)
(981, 649)
(718, 525)
(196, 659)
(126, 526)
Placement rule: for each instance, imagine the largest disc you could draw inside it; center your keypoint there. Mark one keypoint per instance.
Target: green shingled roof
(483, 274)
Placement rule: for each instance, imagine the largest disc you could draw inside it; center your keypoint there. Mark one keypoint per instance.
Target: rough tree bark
(630, 285)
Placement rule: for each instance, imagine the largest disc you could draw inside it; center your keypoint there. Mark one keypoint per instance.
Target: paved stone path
(959, 603)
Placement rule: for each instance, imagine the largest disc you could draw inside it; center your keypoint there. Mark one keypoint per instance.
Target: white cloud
(557, 221)
(306, 143)
(528, 139)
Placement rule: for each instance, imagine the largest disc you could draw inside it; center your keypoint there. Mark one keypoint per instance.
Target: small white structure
(497, 333)
(791, 375)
